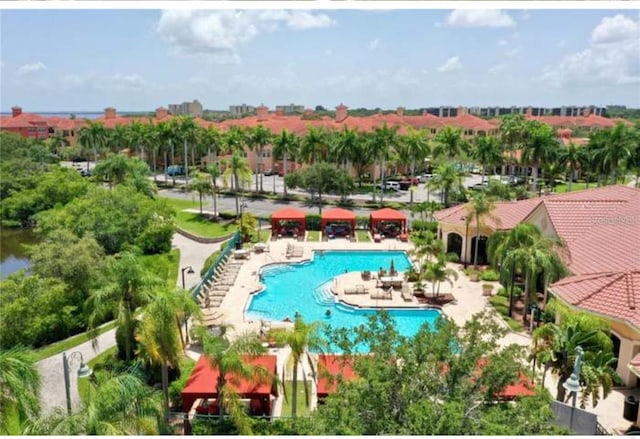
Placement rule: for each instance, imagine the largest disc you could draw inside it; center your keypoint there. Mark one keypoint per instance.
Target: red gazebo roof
(388, 214)
(202, 382)
(333, 365)
(289, 213)
(338, 214)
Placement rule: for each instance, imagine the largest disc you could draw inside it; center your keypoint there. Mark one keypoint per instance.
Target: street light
(189, 270)
(83, 372)
(243, 206)
(573, 383)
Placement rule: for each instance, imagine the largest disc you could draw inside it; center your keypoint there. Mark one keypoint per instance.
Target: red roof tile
(338, 214)
(329, 368)
(613, 294)
(288, 213)
(387, 214)
(508, 213)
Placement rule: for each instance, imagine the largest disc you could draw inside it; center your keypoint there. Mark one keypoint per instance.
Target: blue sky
(56, 60)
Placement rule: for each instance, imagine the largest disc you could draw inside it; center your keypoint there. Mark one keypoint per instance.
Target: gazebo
(388, 222)
(201, 385)
(338, 222)
(288, 221)
(329, 368)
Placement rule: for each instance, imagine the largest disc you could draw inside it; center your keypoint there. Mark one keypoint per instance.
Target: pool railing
(228, 247)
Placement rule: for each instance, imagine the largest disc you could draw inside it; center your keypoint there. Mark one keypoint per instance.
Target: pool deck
(469, 300)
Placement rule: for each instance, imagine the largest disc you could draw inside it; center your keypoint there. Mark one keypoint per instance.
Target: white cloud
(610, 59)
(451, 65)
(373, 45)
(512, 52)
(496, 69)
(219, 34)
(615, 29)
(117, 82)
(479, 18)
(502, 42)
(31, 68)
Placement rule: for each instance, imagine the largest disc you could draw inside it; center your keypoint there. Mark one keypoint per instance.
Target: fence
(226, 249)
(583, 422)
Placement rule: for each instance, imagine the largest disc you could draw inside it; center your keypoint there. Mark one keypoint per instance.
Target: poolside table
(394, 281)
(241, 254)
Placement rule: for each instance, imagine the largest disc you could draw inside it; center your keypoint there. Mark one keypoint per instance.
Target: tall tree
(237, 170)
(114, 169)
(92, 137)
(259, 137)
(479, 208)
(449, 142)
(488, 151)
(200, 183)
(414, 147)
(167, 136)
(314, 145)
(383, 141)
(512, 134)
(572, 156)
(614, 146)
(214, 173)
(540, 142)
(448, 180)
(302, 338)
(437, 272)
(129, 286)
(286, 146)
(228, 358)
(187, 130)
(19, 388)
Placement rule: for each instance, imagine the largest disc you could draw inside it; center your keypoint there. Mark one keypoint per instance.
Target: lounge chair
(360, 289)
(380, 294)
(377, 237)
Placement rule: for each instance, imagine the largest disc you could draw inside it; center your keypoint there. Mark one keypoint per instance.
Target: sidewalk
(52, 392)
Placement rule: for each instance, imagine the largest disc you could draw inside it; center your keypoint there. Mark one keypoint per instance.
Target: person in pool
(327, 313)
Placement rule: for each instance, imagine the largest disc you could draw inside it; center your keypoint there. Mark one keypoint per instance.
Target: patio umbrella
(392, 268)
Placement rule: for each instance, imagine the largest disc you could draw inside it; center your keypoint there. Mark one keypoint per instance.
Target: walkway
(52, 392)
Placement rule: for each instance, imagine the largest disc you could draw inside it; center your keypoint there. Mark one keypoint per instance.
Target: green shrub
(489, 275)
(421, 225)
(175, 388)
(362, 222)
(313, 222)
(209, 262)
(156, 238)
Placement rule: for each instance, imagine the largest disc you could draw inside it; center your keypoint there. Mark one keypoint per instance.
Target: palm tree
(479, 208)
(302, 338)
(438, 272)
(122, 405)
(237, 169)
(114, 169)
(93, 137)
(447, 178)
(554, 346)
(201, 183)
(450, 143)
(229, 358)
(187, 129)
(344, 145)
(572, 156)
(489, 152)
(258, 138)
(167, 138)
(540, 142)
(214, 172)
(119, 138)
(615, 146)
(512, 133)
(19, 387)
(286, 146)
(315, 145)
(160, 336)
(384, 139)
(129, 286)
(414, 146)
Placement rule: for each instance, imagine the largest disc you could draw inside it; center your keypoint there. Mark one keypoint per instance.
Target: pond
(13, 256)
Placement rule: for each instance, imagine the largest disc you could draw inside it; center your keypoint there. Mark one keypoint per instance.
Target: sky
(138, 60)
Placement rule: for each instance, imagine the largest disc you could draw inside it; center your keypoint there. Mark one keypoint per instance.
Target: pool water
(305, 288)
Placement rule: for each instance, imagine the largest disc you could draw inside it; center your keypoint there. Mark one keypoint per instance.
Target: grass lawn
(501, 304)
(85, 388)
(363, 235)
(302, 409)
(196, 224)
(67, 344)
(313, 235)
(562, 188)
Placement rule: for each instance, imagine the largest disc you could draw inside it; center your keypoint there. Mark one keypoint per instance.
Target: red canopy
(388, 215)
(202, 382)
(338, 215)
(333, 365)
(289, 214)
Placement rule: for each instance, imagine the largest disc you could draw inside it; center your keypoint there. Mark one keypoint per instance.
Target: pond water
(13, 256)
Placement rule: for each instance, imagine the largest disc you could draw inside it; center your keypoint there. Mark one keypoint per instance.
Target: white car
(425, 177)
(390, 185)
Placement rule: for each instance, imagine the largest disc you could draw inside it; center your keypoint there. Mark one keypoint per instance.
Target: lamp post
(189, 270)
(573, 383)
(243, 206)
(84, 371)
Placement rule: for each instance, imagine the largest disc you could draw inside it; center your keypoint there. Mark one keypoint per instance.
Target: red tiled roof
(613, 294)
(23, 120)
(523, 387)
(508, 214)
(333, 365)
(338, 214)
(470, 122)
(288, 213)
(202, 382)
(387, 214)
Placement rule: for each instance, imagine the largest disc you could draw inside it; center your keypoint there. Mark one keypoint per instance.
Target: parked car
(479, 186)
(425, 177)
(86, 172)
(269, 172)
(175, 170)
(390, 185)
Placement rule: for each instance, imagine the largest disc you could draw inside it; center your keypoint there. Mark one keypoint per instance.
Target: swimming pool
(305, 288)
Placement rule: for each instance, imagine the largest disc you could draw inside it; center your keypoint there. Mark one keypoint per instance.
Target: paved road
(52, 392)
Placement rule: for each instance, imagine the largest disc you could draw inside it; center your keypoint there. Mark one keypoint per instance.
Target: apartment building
(241, 110)
(193, 109)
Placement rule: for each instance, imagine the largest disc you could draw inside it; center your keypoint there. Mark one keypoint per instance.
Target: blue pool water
(305, 288)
